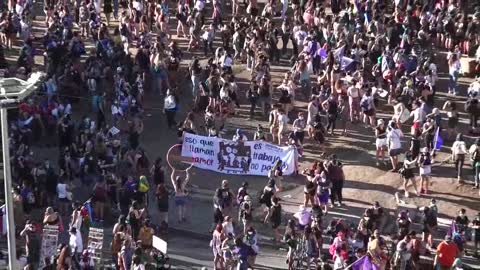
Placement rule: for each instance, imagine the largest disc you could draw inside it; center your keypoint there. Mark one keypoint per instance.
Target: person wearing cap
(459, 150)
(447, 252)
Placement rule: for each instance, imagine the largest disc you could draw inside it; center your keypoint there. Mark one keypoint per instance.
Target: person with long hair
(407, 174)
(64, 259)
(181, 194)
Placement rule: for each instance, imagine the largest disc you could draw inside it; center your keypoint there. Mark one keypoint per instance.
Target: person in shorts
(394, 134)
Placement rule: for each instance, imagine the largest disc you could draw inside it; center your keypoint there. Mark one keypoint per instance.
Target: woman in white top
(459, 149)
(394, 134)
(400, 113)
(62, 191)
(425, 165)
(354, 101)
(170, 108)
(181, 194)
(454, 70)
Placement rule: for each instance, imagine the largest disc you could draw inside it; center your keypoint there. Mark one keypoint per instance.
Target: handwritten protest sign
(231, 157)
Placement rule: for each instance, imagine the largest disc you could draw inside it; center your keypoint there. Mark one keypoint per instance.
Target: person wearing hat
(459, 150)
(425, 169)
(447, 252)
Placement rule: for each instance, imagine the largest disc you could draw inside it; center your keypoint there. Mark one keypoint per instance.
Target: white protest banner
(231, 157)
(159, 244)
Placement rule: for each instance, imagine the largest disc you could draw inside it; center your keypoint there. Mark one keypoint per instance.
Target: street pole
(7, 178)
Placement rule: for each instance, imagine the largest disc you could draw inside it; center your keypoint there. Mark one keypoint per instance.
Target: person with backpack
(223, 200)
(429, 220)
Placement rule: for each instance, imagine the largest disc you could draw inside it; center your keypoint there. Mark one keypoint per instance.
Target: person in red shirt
(447, 252)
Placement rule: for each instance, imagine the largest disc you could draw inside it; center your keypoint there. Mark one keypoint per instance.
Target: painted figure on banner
(234, 156)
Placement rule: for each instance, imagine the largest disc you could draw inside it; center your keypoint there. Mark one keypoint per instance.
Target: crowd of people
(347, 60)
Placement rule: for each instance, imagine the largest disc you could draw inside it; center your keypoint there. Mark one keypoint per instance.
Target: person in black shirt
(331, 106)
(462, 221)
(157, 172)
(252, 96)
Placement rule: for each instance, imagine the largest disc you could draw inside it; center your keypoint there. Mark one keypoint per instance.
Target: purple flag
(438, 141)
(88, 206)
(364, 264)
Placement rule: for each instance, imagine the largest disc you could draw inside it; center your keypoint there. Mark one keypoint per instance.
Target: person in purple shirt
(243, 251)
